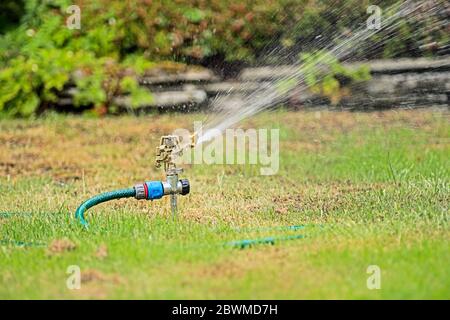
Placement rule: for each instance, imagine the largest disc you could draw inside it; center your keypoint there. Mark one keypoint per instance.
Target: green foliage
(10, 13)
(28, 80)
(322, 72)
(41, 58)
(97, 57)
(186, 29)
(194, 15)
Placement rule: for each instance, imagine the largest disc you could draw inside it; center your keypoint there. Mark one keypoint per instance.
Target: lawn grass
(370, 188)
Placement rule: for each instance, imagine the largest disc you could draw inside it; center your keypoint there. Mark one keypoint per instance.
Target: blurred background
(123, 55)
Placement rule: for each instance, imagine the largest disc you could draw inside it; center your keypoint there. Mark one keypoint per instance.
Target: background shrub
(40, 56)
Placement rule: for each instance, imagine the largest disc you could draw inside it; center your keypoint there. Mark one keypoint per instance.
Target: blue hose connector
(155, 190)
(149, 190)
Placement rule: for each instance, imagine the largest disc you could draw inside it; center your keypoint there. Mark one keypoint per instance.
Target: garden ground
(370, 189)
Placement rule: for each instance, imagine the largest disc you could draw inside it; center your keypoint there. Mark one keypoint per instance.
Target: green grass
(371, 188)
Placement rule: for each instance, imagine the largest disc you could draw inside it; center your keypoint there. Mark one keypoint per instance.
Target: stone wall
(402, 83)
(394, 84)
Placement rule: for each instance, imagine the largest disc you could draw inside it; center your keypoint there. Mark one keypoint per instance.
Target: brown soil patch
(102, 252)
(91, 275)
(59, 246)
(96, 284)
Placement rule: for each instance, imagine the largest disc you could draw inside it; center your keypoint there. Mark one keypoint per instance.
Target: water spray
(166, 155)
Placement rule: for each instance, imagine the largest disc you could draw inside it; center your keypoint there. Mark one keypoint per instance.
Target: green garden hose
(128, 193)
(107, 196)
(243, 244)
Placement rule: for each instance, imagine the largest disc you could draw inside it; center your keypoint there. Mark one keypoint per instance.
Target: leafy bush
(38, 62)
(186, 30)
(183, 30)
(324, 74)
(118, 38)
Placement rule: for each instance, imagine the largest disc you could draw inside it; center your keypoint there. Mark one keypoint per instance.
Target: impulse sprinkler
(166, 154)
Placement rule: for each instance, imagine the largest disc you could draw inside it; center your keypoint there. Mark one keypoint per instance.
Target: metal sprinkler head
(166, 153)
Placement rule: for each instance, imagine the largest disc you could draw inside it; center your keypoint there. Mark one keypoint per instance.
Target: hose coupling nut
(140, 191)
(185, 187)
